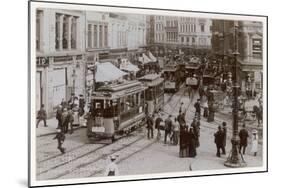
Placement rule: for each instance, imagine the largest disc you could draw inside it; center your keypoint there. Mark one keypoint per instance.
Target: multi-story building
(249, 47)
(195, 32)
(186, 33)
(60, 47)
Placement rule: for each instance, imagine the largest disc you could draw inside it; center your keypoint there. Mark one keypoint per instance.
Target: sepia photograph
(121, 93)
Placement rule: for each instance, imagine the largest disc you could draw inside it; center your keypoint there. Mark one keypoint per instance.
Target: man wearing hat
(41, 116)
(60, 138)
(149, 126)
(243, 134)
(168, 128)
(219, 137)
(112, 168)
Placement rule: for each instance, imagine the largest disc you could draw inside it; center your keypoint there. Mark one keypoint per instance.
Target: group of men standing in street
(65, 117)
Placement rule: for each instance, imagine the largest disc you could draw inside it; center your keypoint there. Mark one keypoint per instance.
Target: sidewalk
(52, 125)
(213, 163)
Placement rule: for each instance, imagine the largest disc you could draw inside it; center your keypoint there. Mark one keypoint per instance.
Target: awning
(144, 59)
(151, 56)
(126, 65)
(107, 72)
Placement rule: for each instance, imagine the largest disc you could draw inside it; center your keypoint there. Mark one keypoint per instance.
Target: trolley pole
(235, 159)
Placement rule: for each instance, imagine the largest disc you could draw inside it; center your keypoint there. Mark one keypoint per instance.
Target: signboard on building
(42, 61)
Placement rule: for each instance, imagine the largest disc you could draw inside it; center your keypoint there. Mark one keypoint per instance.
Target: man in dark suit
(243, 134)
(41, 116)
(168, 128)
(219, 137)
(60, 138)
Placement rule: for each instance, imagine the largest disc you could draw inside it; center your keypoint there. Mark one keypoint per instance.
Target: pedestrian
(181, 119)
(258, 112)
(243, 134)
(158, 125)
(149, 122)
(192, 142)
(176, 130)
(70, 120)
(63, 104)
(206, 109)
(168, 127)
(81, 105)
(41, 116)
(211, 108)
(59, 116)
(189, 91)
(75, 114)
(60, 138)
(181, 108)
(64, 119)
(219, 136)
(255, 140)
(71, 101)
(201, 91)
(224, 128)
(184, 148)
(196, 128)
(112, 168)
(197, 108)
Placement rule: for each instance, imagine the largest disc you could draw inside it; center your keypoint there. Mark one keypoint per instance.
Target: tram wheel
(113, 139)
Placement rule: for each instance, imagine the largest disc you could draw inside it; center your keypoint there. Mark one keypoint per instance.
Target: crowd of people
(178, 132)
(68, 114)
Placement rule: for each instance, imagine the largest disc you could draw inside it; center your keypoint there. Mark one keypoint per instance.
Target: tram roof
(151, 79)
(120, 86)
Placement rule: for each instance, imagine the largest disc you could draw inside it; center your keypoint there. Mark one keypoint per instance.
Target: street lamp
(235, 159)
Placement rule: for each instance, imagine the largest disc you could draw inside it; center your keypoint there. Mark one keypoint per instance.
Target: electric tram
(154, 94)
(172, 79)
(116, 109)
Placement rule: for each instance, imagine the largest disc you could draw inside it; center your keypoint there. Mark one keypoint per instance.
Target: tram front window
(169, 76)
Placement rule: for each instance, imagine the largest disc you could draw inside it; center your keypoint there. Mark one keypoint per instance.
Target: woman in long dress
(255, 139)
(112, 168)
(184, 141)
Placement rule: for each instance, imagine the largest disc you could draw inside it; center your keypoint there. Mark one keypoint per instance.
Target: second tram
(154, 94)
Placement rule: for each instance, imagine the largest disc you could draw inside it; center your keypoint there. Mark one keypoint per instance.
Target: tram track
(77, 169)
(127, 155)
(71, 151)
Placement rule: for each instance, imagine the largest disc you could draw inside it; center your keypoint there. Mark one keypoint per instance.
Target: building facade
(250, 50)
(60, 48)
(188, 34)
